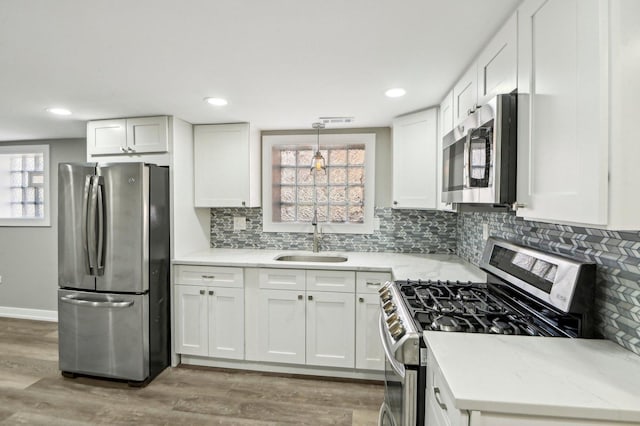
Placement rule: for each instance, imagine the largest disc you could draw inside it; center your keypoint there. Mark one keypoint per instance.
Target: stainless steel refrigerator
(113, 270)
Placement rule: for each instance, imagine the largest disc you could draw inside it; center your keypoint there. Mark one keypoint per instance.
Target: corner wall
(29, 255)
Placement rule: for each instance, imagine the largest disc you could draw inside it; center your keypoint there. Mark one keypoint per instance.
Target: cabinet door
(498, 63)
(465, 95)
(330, 329)
(191, 320)
(106, 137)
(226, 322)
(281, 326)
(147, 134)
(221, 165)
(562, 111)
(369, 352)
(414, 160)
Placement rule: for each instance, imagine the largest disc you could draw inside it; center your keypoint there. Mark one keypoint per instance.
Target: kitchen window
(341, 195)
(24, 185)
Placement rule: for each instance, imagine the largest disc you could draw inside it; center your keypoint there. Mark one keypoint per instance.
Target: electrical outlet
(239, 223)
(485, 231)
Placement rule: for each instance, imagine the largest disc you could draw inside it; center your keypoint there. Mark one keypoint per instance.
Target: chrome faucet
(316, 236)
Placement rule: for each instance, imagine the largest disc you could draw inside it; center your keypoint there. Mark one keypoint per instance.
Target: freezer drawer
(104, 334)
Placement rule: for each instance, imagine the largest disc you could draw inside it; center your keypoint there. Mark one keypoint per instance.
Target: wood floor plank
(33, 392)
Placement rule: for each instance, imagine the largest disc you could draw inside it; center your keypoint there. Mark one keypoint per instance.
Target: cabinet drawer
(209, 275)
(338, 281)
(281, 279)
(371, 282)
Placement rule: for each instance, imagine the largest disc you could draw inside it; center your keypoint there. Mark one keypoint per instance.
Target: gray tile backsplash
(401, 231)
(617, 255)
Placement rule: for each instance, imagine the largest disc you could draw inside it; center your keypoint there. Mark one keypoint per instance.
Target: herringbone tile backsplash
(617, 255)
(401, 231)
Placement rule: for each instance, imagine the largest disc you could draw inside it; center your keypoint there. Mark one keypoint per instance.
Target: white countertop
(403, 266)
(544, 376)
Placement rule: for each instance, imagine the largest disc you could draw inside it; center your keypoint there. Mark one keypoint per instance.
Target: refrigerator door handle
(88, 225)
(101, 224)
(95, 304)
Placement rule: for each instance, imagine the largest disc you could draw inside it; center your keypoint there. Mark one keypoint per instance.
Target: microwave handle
(467, 160)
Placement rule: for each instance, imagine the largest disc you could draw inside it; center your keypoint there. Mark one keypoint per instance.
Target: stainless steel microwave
(479, 155)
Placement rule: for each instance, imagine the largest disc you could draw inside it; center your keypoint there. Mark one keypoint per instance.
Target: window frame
(44, 221)
(368, 140)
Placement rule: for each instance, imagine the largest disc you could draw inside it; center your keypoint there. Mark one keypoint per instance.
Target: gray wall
(29, 255)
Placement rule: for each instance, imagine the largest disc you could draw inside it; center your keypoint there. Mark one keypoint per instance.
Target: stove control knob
(384, 288)
(392, 318)
(397, 330)
(389, 307)
(385, 295)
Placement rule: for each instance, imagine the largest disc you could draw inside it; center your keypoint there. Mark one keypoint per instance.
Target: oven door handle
(397, 366)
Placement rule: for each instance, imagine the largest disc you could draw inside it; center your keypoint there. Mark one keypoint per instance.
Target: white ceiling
(280, 63)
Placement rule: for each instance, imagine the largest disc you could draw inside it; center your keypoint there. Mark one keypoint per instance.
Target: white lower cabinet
(369, 352)
(330, 329)
(306, 325)
(280, 325)
(191, 320)
(295, 317)
(209, 311)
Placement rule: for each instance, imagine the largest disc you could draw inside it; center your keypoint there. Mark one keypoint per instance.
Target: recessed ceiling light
(216, 101)
(59, 111)
(396, 92)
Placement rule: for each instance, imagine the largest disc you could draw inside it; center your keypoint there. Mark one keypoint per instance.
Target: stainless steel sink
(311, 258)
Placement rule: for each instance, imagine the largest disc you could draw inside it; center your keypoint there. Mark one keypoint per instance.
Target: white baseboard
(32, 314)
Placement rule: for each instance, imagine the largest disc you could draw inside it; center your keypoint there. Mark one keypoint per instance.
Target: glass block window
(24, 185)
(336, 194)
(341, 196)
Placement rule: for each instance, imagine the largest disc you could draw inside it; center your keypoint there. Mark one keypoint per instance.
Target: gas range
(455, 306)
(528, 292)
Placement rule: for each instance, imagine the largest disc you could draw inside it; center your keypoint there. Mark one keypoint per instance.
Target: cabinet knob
(310, 297)
(299, 297)
(395, 203)
(516, 206)
(244, 204)
(210, 292)
(373, 283)
(123, 149)
(130, 149)
(361, 299)
(208, 277)
(201, 291)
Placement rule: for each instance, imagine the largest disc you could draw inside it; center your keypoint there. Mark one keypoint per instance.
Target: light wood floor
(33, 392)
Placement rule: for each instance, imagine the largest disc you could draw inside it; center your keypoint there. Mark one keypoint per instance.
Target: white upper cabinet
(223, 166)
(498, 63)
(562, 111)
(128, 136)
(465, 94)
(415, 143)
(493, 72)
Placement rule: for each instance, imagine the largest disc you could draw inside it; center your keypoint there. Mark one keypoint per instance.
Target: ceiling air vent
(336, 121)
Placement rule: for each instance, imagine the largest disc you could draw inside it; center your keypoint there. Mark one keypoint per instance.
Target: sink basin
(311, 258)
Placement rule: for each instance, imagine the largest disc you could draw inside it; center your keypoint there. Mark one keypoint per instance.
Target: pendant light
(317, 162)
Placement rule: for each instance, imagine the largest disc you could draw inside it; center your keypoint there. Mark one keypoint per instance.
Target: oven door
(400, 388)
